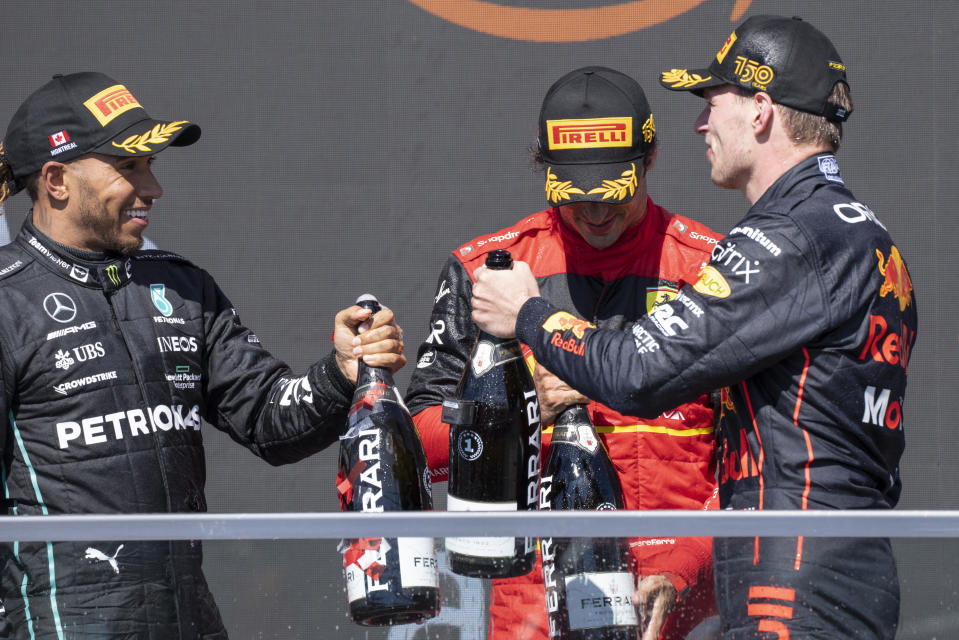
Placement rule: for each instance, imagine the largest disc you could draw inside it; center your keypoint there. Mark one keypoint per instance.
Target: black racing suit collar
(88, 269)
(808, 175)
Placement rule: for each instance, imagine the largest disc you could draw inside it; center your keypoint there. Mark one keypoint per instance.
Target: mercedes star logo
(60, 307)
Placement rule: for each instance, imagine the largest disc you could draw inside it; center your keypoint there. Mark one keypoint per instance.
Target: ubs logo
(60, 307)
(563, 25)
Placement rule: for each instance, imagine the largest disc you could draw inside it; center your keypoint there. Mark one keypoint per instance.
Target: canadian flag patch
(60, 137)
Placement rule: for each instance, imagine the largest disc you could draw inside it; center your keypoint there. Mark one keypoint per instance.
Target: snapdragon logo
(96, 430)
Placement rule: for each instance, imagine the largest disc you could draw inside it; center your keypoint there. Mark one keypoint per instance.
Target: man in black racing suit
(109, 359)
(805, 314)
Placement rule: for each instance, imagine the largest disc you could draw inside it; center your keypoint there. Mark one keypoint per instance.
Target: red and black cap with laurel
(595, 128)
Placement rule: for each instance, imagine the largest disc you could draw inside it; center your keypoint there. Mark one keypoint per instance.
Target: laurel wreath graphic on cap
(649, 129)
(558, 191)
(159, 134)
(611, 189)
(616, 189)
(677, 78)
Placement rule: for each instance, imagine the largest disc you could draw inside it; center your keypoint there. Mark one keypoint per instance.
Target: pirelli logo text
(726, 47)
(592, 133)
(110, 103)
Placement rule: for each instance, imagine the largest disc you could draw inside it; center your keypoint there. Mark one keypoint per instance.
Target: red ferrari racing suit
(663, 463)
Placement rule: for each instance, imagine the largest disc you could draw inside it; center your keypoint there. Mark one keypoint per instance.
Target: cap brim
(150, 136)
(690, 80)
(613, 183)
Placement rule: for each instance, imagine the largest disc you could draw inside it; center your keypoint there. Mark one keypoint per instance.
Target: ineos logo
(563, 25)
(60, 307)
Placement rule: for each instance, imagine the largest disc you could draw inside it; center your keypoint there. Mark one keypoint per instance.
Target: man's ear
(763, 118)
(53, 181)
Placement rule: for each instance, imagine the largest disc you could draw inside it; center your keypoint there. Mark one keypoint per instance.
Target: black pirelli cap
(787, 58)
(82, 113)
(595, 128)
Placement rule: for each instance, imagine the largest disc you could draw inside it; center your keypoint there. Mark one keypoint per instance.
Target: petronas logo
(113, 273)
(158, 293)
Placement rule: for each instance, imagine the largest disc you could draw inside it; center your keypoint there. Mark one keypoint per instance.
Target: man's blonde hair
(807, 128)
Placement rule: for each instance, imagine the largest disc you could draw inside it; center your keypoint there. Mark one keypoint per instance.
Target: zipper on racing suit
(144, 405)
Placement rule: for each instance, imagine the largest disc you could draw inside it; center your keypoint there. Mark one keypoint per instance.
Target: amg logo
(74, 329)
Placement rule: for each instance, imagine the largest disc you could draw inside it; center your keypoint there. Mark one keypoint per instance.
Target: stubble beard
(97, 221)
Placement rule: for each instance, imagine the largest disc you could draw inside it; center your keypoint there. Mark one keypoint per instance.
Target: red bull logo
(738, 465)
(896, 278)
(887, 345)
(725, 402)
(574, 346)
(563, 321)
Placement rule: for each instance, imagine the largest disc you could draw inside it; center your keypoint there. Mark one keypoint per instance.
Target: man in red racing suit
(613, 264)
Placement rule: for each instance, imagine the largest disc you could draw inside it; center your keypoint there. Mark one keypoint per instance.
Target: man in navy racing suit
(109, 359)
(805, 314)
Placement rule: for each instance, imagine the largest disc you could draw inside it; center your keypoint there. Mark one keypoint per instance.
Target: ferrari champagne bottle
(587, 580)
(382, 467)
(494, 450)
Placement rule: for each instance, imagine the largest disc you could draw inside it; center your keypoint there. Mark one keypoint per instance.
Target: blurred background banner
(349, 146)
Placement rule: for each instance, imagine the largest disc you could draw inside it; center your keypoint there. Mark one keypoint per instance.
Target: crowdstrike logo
(65, 387)
(60, 307)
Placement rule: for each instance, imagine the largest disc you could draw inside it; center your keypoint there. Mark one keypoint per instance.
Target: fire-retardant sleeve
(686, 561)
(750, 308)
(440, 361)
(257, 399)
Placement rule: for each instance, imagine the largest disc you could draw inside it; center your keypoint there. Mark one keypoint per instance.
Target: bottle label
(582, 436)
(600, 600)
(469, 445)
(367, 565)
(488, 355)
(418, 563)
(482, 358)
(480, 547)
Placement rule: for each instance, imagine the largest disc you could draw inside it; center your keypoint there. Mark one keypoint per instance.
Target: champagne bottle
(494, 450)
(587, 580)
(382, 467)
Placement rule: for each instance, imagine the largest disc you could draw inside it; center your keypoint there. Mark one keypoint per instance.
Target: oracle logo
(563, 25)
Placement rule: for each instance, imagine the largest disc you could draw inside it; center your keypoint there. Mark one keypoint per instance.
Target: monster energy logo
(113, 273)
